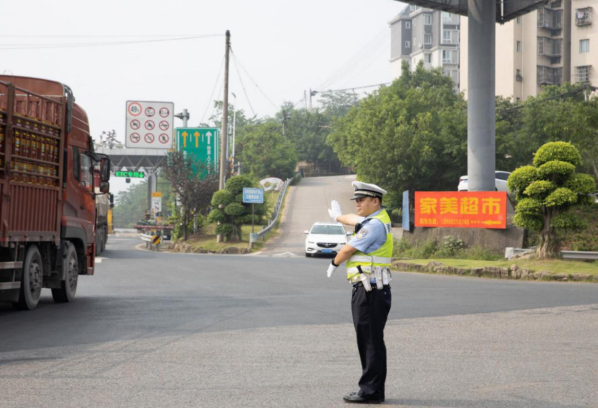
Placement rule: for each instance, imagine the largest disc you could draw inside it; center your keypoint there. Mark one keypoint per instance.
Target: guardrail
(150, 240)
(254, 237)
(574, 255)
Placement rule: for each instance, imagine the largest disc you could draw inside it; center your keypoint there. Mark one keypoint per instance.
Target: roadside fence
(261, 234)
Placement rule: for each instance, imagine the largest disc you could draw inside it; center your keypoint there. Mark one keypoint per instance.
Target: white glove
(335, 210)
(331, 269)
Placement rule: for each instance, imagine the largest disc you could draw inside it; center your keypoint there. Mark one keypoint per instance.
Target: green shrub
(561, 197)
(222, 197)
(558, 171)
(521, 178)
(559, 151)
(581, 184)
(540, 189)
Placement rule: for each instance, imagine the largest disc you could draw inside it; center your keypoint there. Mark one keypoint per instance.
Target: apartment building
(549, 46)
(422, 34)
(584, 42)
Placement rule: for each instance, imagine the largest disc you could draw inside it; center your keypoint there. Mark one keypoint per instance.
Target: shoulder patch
(362, 233)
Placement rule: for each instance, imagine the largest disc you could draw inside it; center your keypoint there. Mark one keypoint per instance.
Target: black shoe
(357, 398)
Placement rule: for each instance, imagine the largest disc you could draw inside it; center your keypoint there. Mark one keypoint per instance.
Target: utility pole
(184, 116)
(224, 133)
(234, 127)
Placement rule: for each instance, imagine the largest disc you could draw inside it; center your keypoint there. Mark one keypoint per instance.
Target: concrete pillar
(481, 126)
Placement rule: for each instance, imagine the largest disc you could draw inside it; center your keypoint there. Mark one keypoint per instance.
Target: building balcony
(549, 76)
(550, 19)
(550, 47)
(583, 17)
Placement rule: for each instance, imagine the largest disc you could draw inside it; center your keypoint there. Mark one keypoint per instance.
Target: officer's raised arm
(337, 216)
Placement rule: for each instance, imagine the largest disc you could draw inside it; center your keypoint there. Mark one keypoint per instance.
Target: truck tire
(68, 287)
(31, 281)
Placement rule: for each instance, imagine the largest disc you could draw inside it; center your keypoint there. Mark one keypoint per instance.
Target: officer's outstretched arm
(349, 219)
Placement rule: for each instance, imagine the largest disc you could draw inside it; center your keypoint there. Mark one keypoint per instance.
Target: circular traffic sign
(164, 125)
(135, 137)
(164, 138)
(149, 138)
(135, 124)
(134, 109)
(164, 112)
(149, 111)
(150, 125)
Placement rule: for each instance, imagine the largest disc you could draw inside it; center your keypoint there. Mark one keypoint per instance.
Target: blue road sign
(253, 195)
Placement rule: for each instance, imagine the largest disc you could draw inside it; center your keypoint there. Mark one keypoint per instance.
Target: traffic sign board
(202, 146)
(143, 118)
(130, 174)
(253, 195)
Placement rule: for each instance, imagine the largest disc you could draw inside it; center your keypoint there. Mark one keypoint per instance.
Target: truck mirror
(104, 187)
(105, 169)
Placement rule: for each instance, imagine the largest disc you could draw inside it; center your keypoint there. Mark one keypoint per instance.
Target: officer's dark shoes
(358, 398)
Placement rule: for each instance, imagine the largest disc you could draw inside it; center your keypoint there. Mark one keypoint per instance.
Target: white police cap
(367, 190)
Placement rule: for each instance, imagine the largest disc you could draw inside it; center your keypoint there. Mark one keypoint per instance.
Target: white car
(325, 238)
(501, 178)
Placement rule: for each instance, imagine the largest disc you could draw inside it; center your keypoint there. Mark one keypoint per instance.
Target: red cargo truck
(47, 191)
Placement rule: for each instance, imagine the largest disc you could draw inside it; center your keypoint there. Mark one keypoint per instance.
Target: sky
(174, 51)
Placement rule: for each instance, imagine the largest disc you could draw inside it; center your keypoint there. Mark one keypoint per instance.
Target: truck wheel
(32, 279)
(68, 287)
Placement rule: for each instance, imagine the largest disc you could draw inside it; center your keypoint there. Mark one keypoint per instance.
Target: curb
(514, 272)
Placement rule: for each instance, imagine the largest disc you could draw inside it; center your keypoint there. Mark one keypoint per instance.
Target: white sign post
(150, 125)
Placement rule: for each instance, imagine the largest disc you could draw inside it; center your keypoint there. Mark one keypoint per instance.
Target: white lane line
(286, 255)
(99, 259)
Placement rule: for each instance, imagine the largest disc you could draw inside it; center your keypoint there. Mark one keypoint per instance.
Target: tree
(411, 135)
(547, 191)
(336, 104)
(265, 153)
(308, 132)
(194, 194)
(230, 211)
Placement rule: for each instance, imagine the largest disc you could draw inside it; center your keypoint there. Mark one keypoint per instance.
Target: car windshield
(328, 230)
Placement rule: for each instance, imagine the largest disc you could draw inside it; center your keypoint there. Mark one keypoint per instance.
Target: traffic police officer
(368, 255)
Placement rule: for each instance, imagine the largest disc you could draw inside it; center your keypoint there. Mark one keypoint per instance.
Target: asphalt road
(189, 330)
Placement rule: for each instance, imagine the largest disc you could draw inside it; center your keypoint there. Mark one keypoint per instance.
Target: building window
(407, 24)
(407, 44)
(427, 19)
(446, 36)
(428, 58)
(446, 16)
(583, 73)
(446, 56)
(428, 39)
(518, 46)
(518, 76)
(584, 46)
(518, 20)
(540, 46)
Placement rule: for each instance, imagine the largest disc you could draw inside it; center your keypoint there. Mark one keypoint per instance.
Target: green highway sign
(202, 146)
(130, 174)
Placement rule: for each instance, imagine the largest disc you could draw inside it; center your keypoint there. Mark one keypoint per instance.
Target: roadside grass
(554, 266)
(207, 238)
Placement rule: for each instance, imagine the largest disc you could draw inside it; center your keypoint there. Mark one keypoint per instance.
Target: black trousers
(370, 311)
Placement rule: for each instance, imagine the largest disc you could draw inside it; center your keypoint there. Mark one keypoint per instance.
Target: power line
(539, 101)
(213, 89)
(102, 44)
(355, 87)
(237, 61)
(241, 81)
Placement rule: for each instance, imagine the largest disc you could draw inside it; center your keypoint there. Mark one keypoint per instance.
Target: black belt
(373, 285)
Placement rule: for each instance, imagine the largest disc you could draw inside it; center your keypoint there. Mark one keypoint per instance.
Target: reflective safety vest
(380, 257)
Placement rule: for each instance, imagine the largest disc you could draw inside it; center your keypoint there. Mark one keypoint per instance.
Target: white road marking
(286, 255)
(99, 259)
